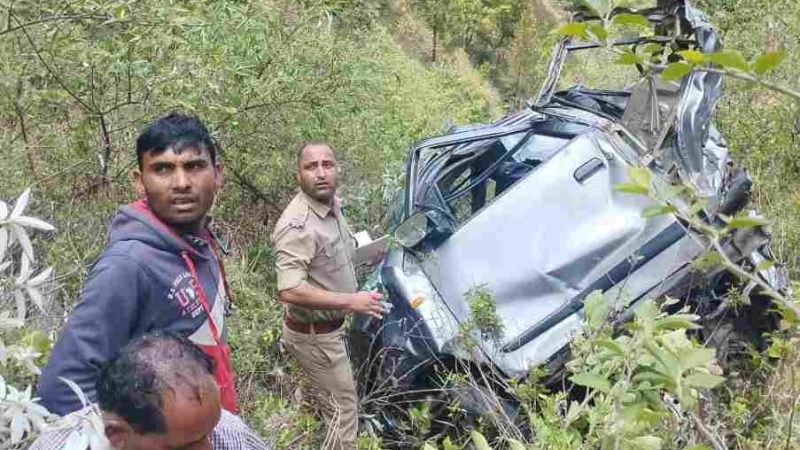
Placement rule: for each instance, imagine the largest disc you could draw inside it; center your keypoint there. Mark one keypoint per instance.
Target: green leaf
(37, 340)
(686, 397)
(692, 56)
(673, 191)
(595, 308)
(120, 12)
(573, 29)
(764, 265)
(774, 351)
(599, 31)
(652, 48)
(480, 442)
(654, 378)
(698, 447)
(631, 188)
(631, 19)
(591, 380)
(600, 7)
(646, 311)
(610, 345)
(766, 62)
(573, 412)
(703, 380)
(666, 362)
(707, 261)
(747, 222)
(514, 444)
(677, 321)
(650, 417)
(427, 446)
(729, 59)
(675, 71)
(647, 443)
(629, 58)
(652, 397)
(658, 210)
(640, 176)
(697, 357)
(447, 444)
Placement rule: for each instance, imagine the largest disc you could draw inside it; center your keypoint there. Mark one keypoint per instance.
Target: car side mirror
(413, 230)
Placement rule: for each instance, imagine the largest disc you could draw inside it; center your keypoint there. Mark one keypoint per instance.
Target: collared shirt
(231, 433)
(313, 244)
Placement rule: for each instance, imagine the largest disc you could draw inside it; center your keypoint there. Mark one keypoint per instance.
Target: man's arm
(315, 298)
(294, 250)
(99, 326)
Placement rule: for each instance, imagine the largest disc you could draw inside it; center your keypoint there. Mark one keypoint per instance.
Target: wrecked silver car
(527, 207)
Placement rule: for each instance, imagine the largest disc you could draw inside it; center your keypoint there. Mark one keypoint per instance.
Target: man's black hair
(175, 131)
(131, 386)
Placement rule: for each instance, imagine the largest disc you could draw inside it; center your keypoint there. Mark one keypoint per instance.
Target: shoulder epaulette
(298, 216)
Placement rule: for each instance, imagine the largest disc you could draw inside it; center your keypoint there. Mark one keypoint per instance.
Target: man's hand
(368, 303)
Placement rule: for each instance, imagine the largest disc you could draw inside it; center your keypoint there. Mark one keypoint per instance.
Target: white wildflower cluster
(20, 414)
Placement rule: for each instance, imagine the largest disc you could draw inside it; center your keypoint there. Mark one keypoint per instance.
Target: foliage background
(79, 78)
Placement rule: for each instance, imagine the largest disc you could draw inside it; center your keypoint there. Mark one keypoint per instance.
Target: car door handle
(588, 169)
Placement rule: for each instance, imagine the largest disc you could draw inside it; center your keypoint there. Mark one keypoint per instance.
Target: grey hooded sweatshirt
(148, 279)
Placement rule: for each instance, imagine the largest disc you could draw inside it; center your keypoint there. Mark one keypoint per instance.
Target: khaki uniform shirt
(313, 244)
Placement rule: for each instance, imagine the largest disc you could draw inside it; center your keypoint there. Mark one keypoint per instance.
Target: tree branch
(22, 26)
(52, 72)
(106, 146)
(248, 185)
(753, 79)
(739, 271)
(706, 433)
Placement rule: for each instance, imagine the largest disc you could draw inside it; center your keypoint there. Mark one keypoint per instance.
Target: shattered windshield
(464, 178)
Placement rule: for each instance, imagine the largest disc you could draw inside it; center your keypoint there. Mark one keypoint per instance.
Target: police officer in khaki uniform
(317, 283)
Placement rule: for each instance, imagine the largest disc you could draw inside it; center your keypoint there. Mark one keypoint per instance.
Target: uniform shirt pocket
(330, 256)
(332, 247)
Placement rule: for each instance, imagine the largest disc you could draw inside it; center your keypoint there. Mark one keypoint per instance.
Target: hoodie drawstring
(223, 373)
(202, 296)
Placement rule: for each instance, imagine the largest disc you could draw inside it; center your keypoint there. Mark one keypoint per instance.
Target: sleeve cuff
(289, 279)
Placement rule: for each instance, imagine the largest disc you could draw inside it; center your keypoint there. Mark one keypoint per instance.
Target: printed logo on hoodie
(184, 293)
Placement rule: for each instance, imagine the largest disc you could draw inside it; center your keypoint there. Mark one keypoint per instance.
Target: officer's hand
(367, 303)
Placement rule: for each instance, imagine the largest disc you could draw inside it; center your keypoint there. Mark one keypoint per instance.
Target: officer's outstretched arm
(316, 298)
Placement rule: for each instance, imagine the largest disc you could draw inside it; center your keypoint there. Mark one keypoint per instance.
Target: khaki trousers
(324, 358)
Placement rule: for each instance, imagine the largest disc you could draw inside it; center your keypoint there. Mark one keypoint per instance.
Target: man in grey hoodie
(161, 270)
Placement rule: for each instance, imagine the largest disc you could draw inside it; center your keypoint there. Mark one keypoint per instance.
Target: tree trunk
(433, 50)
